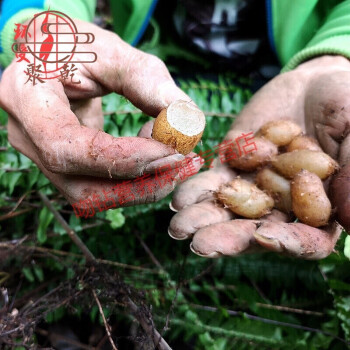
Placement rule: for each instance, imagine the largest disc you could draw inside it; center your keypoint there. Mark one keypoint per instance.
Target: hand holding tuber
(315, 96)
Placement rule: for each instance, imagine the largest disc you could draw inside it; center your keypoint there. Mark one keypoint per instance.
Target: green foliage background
(261, 301)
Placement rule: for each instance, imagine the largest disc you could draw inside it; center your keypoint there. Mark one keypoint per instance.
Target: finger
(298, 240)
(276, 216)
(327, 110)
(89, 112)
(229, 238)
(65, 146)
(189, 220)
(201, 187)
(146, 130)
(142, 78)
(340, 196)
(88, 194)
(344, 153)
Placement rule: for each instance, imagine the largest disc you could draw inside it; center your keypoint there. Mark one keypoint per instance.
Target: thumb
(148, 84)
(140, 77)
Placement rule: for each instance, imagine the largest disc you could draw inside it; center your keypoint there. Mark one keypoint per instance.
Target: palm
(315, 97)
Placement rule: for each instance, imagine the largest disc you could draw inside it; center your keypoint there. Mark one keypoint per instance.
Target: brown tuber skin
(280, 132)
(265, 151)
(289, 164)
(303, 142)
(245, 199)
(277, 187)
(309, 200)
(185, 115)
(340, 196)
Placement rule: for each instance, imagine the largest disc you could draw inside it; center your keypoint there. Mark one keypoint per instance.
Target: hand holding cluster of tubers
(290, 169)
(278, 201)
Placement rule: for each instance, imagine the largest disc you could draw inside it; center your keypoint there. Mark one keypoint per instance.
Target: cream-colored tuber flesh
(180, 126)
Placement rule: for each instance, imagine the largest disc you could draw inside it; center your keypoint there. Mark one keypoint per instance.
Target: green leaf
(343, 313)
(127, 129)
(56, 315)
(93, 313)
(347, 247)
(3, 117)
(116, 217)
(34, 175)
(28, 274)
(339, 285)
(75, 223)
(39, 273)
(45, 218)
(13, 179)
(111, 102)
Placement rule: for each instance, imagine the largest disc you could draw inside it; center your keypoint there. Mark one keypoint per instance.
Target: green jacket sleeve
(131, 18)
(20, 11)
(306, 29)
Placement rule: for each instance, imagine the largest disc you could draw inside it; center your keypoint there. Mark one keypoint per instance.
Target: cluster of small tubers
(291, 168)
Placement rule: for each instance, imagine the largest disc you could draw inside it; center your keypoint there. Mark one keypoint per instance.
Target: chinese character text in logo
(49, 45)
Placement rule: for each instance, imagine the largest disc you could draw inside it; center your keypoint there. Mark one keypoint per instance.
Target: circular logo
(51, 38)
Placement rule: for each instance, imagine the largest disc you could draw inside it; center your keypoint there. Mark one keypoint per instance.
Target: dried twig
(148, 328)
(20, 201)
(16, 170)
(104, 320)
(11, 245)
(71, 233)
(269, 321)
(290, 309)
(12, 214)
(149, 252)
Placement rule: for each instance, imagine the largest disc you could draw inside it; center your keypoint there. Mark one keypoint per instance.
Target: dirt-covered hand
(60, 126)
(316, 97)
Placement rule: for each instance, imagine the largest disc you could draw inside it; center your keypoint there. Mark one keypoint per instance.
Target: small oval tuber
(309, 200)
(245, 199)
(277, 187)
(303, 142)
(289, 164)
(265, 151)
(180, 126)
(280, 132)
